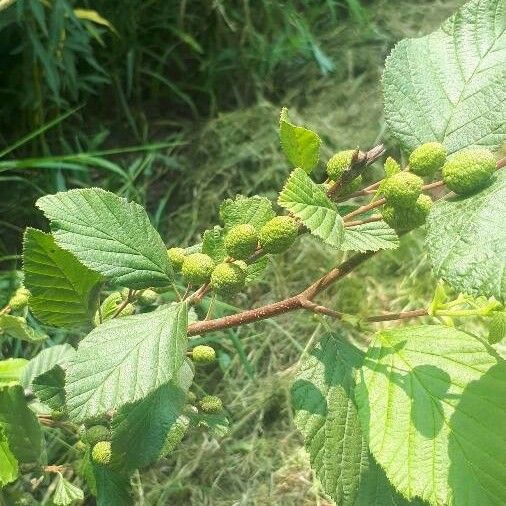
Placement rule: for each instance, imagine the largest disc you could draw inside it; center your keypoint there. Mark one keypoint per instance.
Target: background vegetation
(175, 104)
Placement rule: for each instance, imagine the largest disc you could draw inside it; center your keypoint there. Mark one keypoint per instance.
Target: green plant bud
(339, 163)
(97, 433)
(402, 189)
(80, 446)
(241, 241)
(469, 171)
(109, 307)
(203, 354)
(428, 158)
(175, 435)
(210, 404)
(59, 414)
(176, 257)
(391, 167)
(20, 298)
(101, 453)
(148, 297)
(278, 234)
(352, 186)
(197, 268)
(407, 218)
(228, 278)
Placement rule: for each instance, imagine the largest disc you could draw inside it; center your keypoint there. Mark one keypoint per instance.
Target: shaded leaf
(16, 326)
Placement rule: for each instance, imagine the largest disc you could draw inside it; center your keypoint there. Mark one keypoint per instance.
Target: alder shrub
(416, 416)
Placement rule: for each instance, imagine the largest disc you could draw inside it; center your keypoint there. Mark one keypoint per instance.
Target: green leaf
(49, 387)
(20, 425)
(213, 244)
(138, 354)
(449, 85)
(256, 269)
(45, 361)
(466, 240)
(113, 488)
(139, 429)
(497, 327)
(66, 493)
(11, 369)
(300, 145)
(109, 235)
(64, 292)
(431, 400)
(325, 413)
(372, 236)
(9, 469)
(308, 202)
(256, 211)
(16, 326)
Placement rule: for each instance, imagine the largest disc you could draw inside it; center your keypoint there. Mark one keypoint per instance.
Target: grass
(260, 461)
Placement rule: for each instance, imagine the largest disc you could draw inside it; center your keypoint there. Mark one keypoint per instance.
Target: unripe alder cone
(228, 278)
(402, 189)
(210, 404)
(407, 218)
(97, 433)
(203, 354)
(241, 241)
(197, 268)
(148, 297)
(175, 435)
(20, 299)
(101, 453)
(278, 234)
(469, 171)
(339, 163)
(428, 158)
(176, 257)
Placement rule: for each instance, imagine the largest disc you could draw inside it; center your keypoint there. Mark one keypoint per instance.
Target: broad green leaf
(213, 244)
(49, 388)
(16, 326)
(256, 211)
(325, 413)
(45, 361)
(9, 469)
(20, 425)
(109, 235)
(449, 85)
(308, 202)
(139, 429)
(113, 487)
(11, 370)
(66, 493)
(431, 400)
(300, 145)
(137, 355)
(64, 292)
(496, 329)
(372, 236)
(466, 240)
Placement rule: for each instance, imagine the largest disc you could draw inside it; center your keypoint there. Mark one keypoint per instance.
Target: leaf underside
(373, 236)
(449, 85)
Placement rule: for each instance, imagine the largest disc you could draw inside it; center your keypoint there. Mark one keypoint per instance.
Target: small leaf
(49, 387)
(94, 17)
(431, 401)
(16, 326)
(213, 244)
(109, 235)
(138, 354)
(466, 240)
(308, 202)
(300, 145)
(113, 487)
(45, 361)
(9, 469)
(11, 370)
(64, 292)
(256, 211)
(20, 425)
(66, 493)
(373, 236)
(256, 269)
(325, 413)
(449, 85)
(139, 429)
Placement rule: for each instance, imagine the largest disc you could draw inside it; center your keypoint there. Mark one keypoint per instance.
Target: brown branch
(404, 315)
(376, 217)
